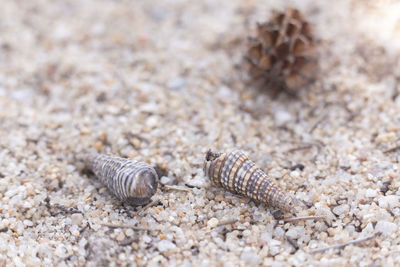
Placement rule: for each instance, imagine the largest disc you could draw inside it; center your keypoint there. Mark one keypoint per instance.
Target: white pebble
(212, 223)
(274, 250)
(371, 193)
(279, 232)
(341, 209)
(165, 180)
(197, 181)
(165, 245)
(75, 233)
(281, 117)
(120, 236)
(176, 83)
(152, 122)
(385, 227)
(28, 223)
(146, 239)
(250, 258)
(129, 232)
(296, 232)
(76, 218)
(389, 202)
(266, 237)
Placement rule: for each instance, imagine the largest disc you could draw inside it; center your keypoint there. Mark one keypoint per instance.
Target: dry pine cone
(283, 51)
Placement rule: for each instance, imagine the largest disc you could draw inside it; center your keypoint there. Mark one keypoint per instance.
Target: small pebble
(371, 193)
(281, 117)
(75, 233)
(341, 209)
(389, 202)
(165, 180)
(385, 187)
(152, 121)
(274, 250)
(296, 232)
(165, 245)
(250, 258)
(28, 223)
(129, 232)
(120, 236)
(385, 227)
(176, 83)
(76, 218)
(212, 223)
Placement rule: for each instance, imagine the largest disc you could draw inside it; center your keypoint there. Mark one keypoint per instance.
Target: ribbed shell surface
(237, 173)
(129, 180)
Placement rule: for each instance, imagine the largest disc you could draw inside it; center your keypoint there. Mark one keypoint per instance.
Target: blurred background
(162, 81)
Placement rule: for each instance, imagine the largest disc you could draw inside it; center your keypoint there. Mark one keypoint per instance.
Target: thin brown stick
(295, 219)
(177, 188)
(392, 149)
(125, 226)
(299, 148)
(353, 242)
(319, 121)
(230, 221)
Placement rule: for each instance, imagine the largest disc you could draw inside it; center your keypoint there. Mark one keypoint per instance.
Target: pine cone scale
(283, 49)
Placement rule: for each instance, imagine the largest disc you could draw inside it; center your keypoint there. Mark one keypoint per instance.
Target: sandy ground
(162, 81)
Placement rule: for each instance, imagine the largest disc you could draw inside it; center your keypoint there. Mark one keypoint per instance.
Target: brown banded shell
(237, 173)
(131, 181)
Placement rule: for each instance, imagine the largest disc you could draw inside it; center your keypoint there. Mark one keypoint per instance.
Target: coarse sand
(162, 81)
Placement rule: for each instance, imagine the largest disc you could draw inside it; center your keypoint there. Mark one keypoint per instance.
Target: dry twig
(295, 219)
(125, 226)
(394, 149)
(230, 221)
(177, 188)
(353, 242)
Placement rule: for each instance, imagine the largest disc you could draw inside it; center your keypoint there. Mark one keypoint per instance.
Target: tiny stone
(385, 227)
(75, 233)
(274, 250)
(295, 174)
(28, 223)
(371, 193)
(212, 223)
(277, 214)
(152, 122)
(120, 236)
(296, 232)
(122, 257)
(146, 239)
(129, 232)
(266, 237)
(197, 181)
(389, 202)
(250, 258)
(341, 209)
(165, 245)
(385, 187)
(279, 232)
(176, 83)
(165, 180)
(76, 218)
(281, 117)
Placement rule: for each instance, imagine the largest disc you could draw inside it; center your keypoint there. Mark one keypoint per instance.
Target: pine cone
(283, 51)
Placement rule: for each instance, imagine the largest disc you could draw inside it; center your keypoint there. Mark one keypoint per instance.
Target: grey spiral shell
(236, 173)
(131, 181)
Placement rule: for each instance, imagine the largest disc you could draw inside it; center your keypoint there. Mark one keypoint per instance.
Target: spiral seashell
(238, 174)
(131, 181)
